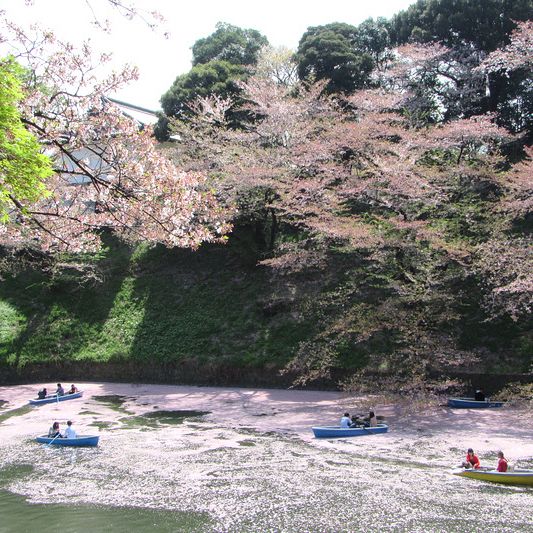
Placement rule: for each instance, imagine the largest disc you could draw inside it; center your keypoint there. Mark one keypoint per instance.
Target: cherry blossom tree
(109, 173)
(358, 173)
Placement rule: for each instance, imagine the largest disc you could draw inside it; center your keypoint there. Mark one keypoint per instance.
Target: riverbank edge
(210, 374)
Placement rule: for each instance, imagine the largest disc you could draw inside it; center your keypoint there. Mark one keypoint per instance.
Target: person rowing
(479, 396)
(357, 421)
(54, 431)
(70, 432)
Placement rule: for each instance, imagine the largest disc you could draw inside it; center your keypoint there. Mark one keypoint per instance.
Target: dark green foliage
(333, 52)
(373, 38)
(229, 43)
(219, 61)
(512, 98)
(484, 23)
(215, 77)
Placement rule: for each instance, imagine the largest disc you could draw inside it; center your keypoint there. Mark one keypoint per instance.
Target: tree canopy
(220, 61)
(215, 77)
(229, 43)
(23, 168)
(332, 53)
(486, 24)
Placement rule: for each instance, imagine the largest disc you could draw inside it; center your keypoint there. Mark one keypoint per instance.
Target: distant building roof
(138, 113)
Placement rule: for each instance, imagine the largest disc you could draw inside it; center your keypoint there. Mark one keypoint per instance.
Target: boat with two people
(322, 432)
(79, 440)
(511, 477)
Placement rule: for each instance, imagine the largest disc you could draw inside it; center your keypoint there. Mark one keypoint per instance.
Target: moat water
(206, 459)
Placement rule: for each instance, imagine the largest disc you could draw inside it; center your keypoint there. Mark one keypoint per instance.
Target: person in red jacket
(502, 463)
(472, 460)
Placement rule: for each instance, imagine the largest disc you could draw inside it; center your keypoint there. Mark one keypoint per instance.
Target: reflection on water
(17, 516)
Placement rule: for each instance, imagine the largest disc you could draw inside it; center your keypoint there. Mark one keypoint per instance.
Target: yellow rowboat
(513, 477)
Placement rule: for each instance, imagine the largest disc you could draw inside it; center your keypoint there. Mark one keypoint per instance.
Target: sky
(159, 59)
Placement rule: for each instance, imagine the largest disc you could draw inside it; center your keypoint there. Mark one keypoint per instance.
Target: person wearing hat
(472, 460)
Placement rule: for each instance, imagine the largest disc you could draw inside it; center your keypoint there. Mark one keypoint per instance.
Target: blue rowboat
(54, 398)
(82, 440)
(336, 431)
(470, 403)
(513, 477)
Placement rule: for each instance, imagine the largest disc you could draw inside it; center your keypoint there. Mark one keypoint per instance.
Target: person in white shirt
(70, 432)
(346, 420)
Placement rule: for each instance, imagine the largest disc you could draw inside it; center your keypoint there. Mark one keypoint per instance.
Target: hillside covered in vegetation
(360, 207)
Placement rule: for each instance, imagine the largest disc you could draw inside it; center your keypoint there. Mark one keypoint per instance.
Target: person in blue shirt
(60, 390)
(346, 420)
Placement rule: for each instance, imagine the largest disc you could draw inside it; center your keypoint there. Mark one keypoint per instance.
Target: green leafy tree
(373, 38)
(213, 78)
(331, 52)
(486, 24)
(23, 168)
(220, 61)
(229, 43)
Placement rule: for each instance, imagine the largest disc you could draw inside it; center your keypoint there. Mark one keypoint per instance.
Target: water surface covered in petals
(175, 458)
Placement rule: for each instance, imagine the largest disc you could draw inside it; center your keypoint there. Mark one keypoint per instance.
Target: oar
(58, 435)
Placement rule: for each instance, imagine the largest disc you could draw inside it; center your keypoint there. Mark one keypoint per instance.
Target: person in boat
(73, 389)
(70, 432)
(41, 395)
(54, 431)
(357, 422)
(472, 460)
(372, 419)
(60, 391)
(346, 420)
(479, 396)
(502, 463)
